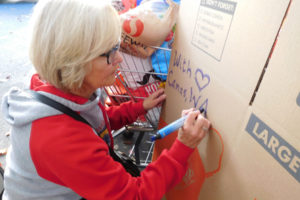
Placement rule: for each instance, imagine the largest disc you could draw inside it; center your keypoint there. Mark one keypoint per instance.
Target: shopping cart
(135, 80)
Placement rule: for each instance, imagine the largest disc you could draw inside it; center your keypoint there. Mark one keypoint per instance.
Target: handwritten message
(200, 80)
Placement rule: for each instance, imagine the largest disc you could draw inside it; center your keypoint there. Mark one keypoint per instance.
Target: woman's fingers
(194, 129)
(159, 92)
(202, 125)
(192, 116)
(185, 112)
(154, 99)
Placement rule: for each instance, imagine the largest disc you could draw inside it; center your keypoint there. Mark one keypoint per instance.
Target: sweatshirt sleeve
(164, 173)
(74, 157)
(124, 114)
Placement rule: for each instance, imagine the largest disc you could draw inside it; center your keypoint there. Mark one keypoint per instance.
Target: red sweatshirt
(69, 153)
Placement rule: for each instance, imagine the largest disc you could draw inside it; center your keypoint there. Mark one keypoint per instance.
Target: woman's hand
(194, 128)
(154, 99)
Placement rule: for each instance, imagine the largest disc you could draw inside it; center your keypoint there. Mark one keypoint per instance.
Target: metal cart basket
(135, 80)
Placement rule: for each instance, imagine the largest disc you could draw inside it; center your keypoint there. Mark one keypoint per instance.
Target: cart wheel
(128, 134)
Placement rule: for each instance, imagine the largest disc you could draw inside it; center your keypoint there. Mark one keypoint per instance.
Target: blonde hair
(67, 35)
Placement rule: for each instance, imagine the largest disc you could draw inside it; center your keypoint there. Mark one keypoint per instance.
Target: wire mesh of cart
(136, 79)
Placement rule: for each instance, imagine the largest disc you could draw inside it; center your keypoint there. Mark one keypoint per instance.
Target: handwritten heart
(298, 100)
(202, 80)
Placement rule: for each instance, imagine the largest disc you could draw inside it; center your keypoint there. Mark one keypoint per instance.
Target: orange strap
(211, 173)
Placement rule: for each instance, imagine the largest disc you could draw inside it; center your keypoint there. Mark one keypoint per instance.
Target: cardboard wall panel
(269, 142)
(220, 50)
(266, 162)
(278, 94)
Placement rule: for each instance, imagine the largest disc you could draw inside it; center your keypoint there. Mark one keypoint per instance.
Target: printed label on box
(280, 149)
(212, 26)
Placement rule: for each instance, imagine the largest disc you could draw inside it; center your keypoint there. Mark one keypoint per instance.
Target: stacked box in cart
(220, 51)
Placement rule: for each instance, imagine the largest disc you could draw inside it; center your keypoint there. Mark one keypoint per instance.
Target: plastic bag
(160, 61)
(147, 25)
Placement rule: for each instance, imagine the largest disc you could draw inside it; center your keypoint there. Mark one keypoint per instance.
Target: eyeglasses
(111, 54)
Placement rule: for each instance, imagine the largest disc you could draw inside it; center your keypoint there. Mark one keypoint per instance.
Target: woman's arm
(128, 112)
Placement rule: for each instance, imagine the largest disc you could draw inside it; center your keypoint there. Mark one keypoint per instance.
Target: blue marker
(171, 127)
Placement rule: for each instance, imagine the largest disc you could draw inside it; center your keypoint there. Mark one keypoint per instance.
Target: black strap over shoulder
(1, 182)
(57, 106)
(127, 163)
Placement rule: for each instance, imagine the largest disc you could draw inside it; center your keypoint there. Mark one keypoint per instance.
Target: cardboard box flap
(279, 93)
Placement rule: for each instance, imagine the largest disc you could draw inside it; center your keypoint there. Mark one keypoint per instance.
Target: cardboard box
(220, 51)
(270, 140)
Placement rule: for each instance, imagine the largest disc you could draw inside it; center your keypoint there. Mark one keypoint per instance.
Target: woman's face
(102, 73)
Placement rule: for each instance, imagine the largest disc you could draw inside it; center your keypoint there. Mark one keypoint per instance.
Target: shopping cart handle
(171, 127)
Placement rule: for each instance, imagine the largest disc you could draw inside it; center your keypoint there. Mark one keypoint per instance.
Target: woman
(74, 50)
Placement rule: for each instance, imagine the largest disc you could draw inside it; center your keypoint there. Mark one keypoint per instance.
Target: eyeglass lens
(112, 56)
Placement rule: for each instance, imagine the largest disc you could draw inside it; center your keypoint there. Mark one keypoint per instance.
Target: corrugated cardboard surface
(221, 48)
(245, 49)
(278, 95)
(266, 163)
(268, 148)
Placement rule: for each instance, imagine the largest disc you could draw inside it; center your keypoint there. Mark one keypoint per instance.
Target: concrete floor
(15, 67)
(17, 1)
